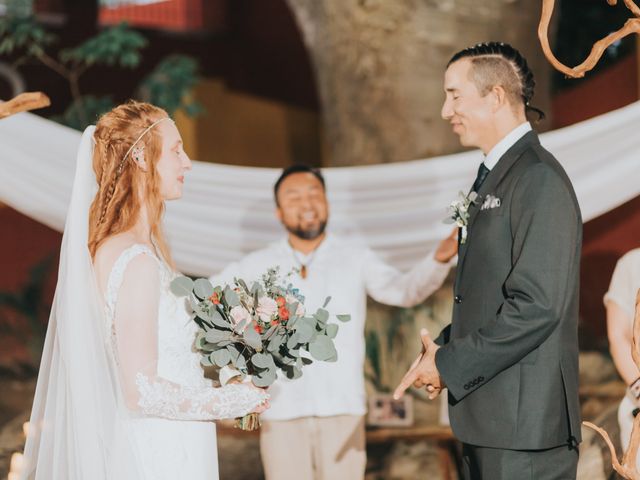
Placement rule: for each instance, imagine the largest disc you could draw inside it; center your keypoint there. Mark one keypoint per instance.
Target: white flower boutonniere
(459, 212)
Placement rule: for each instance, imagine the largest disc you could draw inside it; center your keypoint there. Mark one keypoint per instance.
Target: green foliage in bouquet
(258, 330)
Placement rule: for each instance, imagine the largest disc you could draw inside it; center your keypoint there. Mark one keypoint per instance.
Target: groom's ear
(279, 214)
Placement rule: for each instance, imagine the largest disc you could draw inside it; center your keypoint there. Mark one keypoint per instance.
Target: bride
(121, 393)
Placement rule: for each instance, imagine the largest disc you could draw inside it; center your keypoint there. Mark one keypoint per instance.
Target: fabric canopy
(397, 208)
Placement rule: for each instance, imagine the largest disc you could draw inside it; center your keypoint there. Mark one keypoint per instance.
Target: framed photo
(385, 411)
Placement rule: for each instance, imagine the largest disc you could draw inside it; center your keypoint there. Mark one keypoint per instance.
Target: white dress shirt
(505, 144)
(346, 272)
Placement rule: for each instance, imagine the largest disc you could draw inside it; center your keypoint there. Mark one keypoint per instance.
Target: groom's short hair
(297, 168)
(498, 63)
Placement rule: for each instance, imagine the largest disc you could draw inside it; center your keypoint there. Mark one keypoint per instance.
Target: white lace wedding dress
(170, 430)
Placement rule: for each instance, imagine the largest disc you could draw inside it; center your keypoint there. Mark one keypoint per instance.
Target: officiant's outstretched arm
(324, 409)
(510, 356)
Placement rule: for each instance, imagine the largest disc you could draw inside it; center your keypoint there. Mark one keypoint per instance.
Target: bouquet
(258, 330)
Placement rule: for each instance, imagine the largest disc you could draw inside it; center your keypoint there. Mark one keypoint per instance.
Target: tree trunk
(379, 66)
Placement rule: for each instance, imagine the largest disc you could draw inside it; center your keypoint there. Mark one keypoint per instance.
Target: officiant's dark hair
(297, 168)
(489, 61)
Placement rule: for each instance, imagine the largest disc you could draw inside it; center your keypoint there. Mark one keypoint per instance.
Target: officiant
(315, 427)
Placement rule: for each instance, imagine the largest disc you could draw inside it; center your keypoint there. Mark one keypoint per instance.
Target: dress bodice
(175, 386)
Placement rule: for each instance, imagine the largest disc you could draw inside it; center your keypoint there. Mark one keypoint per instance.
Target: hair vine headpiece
(144, 132)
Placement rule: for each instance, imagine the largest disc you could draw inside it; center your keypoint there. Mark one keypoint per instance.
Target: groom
(509, 358)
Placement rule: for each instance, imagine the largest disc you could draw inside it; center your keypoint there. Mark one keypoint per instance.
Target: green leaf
(343, 318)
(253, 339)
(205, 361)
(322, 348)
(332, 330)
(221, 357)
(203, 288)
(262, 360)
(265, 378)
(215, 317)
(239, 362)
(231, 298)
(322, 315)
(293, 341)
(305, 329)
(170, 85)
(326, 302)
(293, 372)
(216, 336)
(181, 286)
(275, 343)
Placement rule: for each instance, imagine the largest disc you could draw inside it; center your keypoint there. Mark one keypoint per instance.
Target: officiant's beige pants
(314, 448)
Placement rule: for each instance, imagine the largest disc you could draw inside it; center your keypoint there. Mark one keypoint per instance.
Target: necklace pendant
(303, 271)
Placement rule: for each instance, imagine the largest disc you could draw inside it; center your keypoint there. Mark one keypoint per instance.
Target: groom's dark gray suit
(510, 355)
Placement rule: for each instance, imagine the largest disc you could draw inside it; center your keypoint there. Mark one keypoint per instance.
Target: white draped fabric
(397, 208)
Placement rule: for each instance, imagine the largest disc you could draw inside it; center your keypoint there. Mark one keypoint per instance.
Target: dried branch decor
(627, 469)
(24, 102)
(631, 26)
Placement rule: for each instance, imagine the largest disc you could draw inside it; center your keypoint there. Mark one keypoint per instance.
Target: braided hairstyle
(493, 55)
(123, 188)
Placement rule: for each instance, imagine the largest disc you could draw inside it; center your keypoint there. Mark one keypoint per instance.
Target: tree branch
(24, 102)
(631, 26)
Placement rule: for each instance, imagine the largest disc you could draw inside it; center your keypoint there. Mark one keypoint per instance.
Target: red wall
(606, 239)
(599, 92)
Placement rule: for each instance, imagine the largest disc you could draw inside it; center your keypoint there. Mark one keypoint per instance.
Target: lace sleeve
(161, 398)
(136, 341)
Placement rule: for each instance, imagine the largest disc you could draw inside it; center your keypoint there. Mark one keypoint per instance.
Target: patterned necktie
(483, 171)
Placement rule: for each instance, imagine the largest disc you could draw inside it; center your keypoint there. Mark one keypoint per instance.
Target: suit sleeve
(545, 226)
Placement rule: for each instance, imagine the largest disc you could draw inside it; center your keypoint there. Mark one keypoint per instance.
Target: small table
(446, 444)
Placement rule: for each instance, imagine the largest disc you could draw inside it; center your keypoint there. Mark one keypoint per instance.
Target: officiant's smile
(302, 205)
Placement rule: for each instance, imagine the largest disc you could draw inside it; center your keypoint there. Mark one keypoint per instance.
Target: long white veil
(76, 432)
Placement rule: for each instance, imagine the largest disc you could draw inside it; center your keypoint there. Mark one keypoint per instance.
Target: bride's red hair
(122, 186)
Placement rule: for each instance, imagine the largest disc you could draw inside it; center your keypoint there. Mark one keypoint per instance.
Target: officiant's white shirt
(346, 272)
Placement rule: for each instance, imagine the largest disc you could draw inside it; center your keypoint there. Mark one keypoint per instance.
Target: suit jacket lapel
(493, 179)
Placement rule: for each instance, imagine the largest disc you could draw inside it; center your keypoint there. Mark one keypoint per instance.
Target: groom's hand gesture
(423, 371)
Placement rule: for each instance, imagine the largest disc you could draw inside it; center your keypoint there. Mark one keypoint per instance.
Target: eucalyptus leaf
(221, 357)
(265, 378)
(322, 348)
(344, 318)
(305, 331)
(239, 362)
(215, 335)
(233, 350)
(326, 302)
(293, 341)
(322, 315)
(218, 320)
(275, 343)
(181, 286)
(292, 372)
(252, 338)
(332, 330)
(205, 361)
(231, 297)
(261, 360)
(203, 288)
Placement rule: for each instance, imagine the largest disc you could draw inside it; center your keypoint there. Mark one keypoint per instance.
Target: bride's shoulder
(115, 247)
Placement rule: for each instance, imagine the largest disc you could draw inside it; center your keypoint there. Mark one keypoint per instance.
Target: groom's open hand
(423, 371)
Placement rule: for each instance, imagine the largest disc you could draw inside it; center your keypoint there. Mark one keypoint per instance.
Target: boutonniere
(490, 202)
(459, 212)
